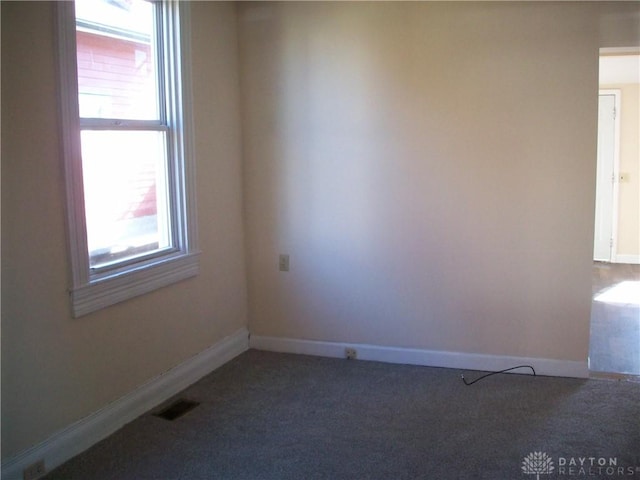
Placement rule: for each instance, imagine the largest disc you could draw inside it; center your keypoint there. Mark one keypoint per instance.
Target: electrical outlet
(283, 263)
(34, 471)
(350, 353)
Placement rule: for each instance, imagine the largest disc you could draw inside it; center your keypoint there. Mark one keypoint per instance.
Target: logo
(537, 463)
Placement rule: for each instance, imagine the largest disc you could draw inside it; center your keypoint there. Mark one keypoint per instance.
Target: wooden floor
(615, 328)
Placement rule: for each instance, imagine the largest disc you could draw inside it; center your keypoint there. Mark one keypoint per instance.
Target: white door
(605, 180)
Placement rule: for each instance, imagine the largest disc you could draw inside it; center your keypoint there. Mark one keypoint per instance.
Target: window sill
(108, 291)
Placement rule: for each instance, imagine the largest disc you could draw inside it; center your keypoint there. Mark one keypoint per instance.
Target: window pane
(116, 59)
(126, 194)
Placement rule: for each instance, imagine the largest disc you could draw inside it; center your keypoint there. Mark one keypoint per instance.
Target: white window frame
(97, 289)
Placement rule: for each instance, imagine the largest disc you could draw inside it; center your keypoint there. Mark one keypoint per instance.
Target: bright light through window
(124, 155)
(125, 189)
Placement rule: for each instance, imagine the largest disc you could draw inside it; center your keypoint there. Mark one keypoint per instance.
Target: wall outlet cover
(283, 263)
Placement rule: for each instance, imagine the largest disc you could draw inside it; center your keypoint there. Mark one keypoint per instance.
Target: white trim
(429, 358)
(115, 289)
(70, 142)
(185, 120)
(631, 259)
(81, 435)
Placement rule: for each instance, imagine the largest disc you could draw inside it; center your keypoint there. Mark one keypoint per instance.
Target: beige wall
(628, 234)
(56, 369)
(429, 167)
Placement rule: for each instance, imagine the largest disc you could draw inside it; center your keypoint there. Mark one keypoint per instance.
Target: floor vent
(177, 409)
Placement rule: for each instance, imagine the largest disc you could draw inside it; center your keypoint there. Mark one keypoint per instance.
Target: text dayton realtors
(592, 466)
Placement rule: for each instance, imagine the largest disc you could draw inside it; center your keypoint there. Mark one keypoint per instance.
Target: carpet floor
(280, 416)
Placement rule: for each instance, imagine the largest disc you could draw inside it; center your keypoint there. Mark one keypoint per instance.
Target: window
(127, 148)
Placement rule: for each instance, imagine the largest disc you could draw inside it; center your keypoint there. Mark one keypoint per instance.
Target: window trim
(89, 291)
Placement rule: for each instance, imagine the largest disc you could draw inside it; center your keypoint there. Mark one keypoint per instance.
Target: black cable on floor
(495, 373)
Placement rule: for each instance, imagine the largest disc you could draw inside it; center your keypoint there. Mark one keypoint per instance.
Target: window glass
(116, 51)
(126, 194)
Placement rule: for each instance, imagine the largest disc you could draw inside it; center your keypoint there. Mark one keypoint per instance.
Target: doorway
(614, 346)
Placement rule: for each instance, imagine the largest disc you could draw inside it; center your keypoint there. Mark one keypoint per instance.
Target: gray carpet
(279, 416)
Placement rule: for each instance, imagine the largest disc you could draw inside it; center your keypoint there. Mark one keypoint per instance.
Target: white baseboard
(81, 435)
(633, 259)
(430, 358)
